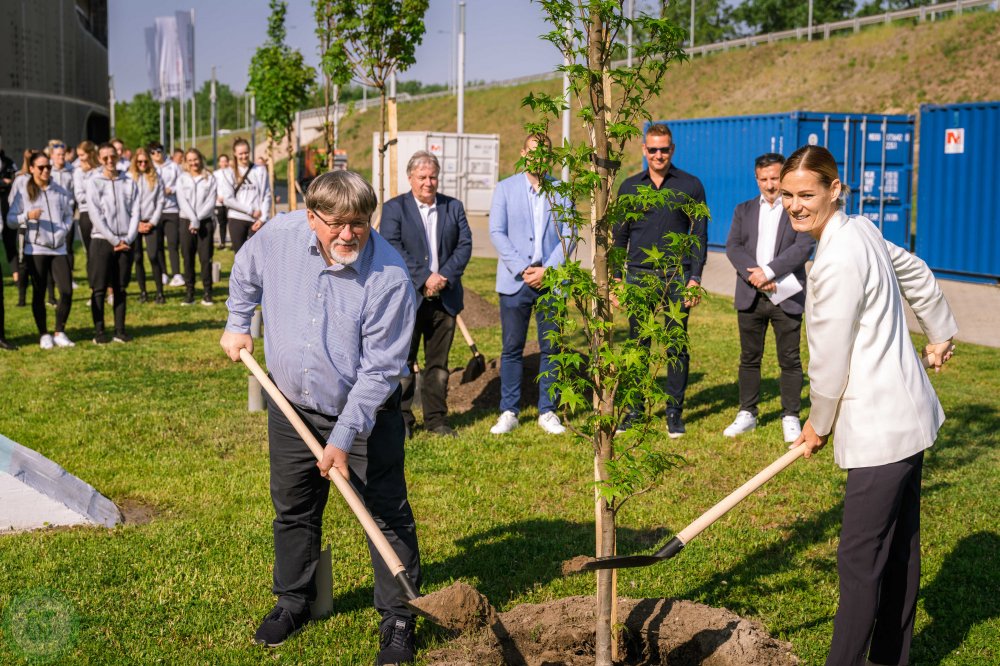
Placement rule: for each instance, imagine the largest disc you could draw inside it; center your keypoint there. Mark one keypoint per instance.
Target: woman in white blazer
(867, 385)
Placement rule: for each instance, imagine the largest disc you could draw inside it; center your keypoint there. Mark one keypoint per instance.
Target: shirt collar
(421, 204)
(363, 264)
(764, 204)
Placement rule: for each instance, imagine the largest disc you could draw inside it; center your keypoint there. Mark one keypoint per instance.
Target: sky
(227, 32)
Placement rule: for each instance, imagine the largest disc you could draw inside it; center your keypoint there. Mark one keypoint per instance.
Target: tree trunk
(270, 172)
(606, 602)
(293, 195)
(381, 156)
(393, 150)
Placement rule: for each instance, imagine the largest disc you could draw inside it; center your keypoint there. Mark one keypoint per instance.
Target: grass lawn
(162, 422)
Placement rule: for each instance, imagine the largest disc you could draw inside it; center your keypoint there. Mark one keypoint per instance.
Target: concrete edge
(38, 472)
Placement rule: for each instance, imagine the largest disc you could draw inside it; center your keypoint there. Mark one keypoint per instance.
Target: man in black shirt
(648, 232)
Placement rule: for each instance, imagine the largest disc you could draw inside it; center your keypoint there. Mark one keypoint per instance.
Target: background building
(53, 72)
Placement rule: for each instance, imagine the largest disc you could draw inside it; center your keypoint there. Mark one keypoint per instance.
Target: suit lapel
(754, 228)
(784, 227)
(413, 214)
(442, 221)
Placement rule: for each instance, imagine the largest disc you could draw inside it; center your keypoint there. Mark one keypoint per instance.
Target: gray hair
(420, 158)
(341, 194)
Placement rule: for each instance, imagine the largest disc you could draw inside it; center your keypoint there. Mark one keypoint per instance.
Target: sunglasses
(768, 159)
(43, 167)
(58, 145)
(665, 151)
(141, 162)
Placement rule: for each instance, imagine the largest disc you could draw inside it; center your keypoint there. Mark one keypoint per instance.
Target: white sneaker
(46, 342)
(745, 422)
(163, 278)
(75, 285)
(62, 340)
(791, 427)
(506, 423)
(177, 280)
(549, 422)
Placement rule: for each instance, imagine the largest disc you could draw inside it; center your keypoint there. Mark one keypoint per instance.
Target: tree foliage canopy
(279, 76)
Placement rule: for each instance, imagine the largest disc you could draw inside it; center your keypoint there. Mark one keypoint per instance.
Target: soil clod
(575, 565)
(458, 607)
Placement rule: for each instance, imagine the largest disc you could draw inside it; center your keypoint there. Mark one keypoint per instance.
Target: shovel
(430, 606)
(684, 537)
(477, 364)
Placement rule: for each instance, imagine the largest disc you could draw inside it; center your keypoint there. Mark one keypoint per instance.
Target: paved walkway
(976, 306)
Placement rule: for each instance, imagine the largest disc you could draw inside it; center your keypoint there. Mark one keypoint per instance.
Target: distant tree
(138, 122)
(713, 19)
(281, 82)
(372, 40)
(762, 16)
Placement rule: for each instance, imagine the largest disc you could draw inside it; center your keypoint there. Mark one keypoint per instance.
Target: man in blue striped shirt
(340, 310)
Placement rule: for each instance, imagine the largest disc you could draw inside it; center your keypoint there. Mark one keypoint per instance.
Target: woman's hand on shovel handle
(334, 458)
(812, 441)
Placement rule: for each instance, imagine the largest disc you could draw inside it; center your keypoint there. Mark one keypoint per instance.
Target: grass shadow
(964, 594)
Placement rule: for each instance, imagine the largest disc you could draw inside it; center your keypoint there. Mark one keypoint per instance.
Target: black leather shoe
(395, 641)
(278, 625)
(443, 430)
(675, 425)
(7, 346)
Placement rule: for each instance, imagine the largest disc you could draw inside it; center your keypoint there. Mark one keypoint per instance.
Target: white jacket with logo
(47, 234)
(253, 194)
(114, 208)
(196, 197)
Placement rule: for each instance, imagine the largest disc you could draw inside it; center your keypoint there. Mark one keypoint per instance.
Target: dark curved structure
(56, 92)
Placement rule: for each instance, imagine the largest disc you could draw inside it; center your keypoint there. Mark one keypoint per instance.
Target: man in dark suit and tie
(770, 261)
(432, 234)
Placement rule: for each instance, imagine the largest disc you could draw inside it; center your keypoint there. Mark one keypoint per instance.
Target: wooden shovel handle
(738, 495)
(465, 332)
(389, 556)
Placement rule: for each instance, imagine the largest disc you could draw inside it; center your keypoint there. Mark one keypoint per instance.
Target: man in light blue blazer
(528, 240)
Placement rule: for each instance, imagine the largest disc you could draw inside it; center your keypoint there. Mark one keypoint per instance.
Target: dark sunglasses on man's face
(59, 145)
(654, 150)
(43, 167)
(767, 159)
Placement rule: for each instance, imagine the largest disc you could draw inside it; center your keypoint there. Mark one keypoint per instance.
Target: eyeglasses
(141, 162)
(655, 150)
(43, 167)
(357, 226)
(156, 151)
(109, 158)
(768, 159)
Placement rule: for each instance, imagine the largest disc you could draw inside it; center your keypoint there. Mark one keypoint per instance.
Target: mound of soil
(484, 392)
(477, 312)
(655, 631)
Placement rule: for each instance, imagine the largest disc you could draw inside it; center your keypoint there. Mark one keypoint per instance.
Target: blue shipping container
(958, 223)
(874, 154)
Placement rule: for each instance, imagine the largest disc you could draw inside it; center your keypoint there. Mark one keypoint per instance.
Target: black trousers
(171, 223)
(222, 217)
(200, 243)
(878, 561)
(436, 328)
(108, 269)
(40, 268)
(239, 233)
(153, 244)
(299, 495)
(787, 338)
(679, 361)
(86, 227)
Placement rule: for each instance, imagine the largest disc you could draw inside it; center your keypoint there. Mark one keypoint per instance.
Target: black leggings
(221, 214)
(199, 243)
(154, 250)
(40, 266)
(108, 269)
(170, 222)
(239, 233)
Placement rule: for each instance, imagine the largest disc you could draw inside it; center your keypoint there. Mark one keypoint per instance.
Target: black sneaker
(7, 346)
(101, 338)
(628, 422)
(207, 301)
(443, 430)
(188, 301)
(675, 425)
(143, 297)
(122, 337)
(395, 641)
(278, 625)
(160, 300)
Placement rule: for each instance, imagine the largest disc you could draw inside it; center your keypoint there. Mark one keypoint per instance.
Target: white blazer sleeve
(921, 291)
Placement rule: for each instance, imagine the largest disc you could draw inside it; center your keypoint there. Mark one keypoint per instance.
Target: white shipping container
(470, 165)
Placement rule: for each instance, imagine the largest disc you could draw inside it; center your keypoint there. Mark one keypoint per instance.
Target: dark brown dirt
(458, 607)
(477, 312)
(575, 565)
(654, 632)
(484, 392)
(135, 512)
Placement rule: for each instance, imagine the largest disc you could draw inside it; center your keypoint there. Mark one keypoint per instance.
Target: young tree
(617, 373)
(138, 121)
(281, 81)
(370, 41)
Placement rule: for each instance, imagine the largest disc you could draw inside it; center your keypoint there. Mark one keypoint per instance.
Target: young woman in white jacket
(44, 212)
(151, 199)
(87, 165)
(113, 200)
(247, 194)
(169, 172)
(196, 194)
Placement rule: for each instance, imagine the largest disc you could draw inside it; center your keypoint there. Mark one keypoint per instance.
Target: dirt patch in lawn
(654, 631)
(477, 312)
(135, 512)
(484, 392)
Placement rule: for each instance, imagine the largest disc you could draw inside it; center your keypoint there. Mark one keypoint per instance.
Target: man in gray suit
(766, 252)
